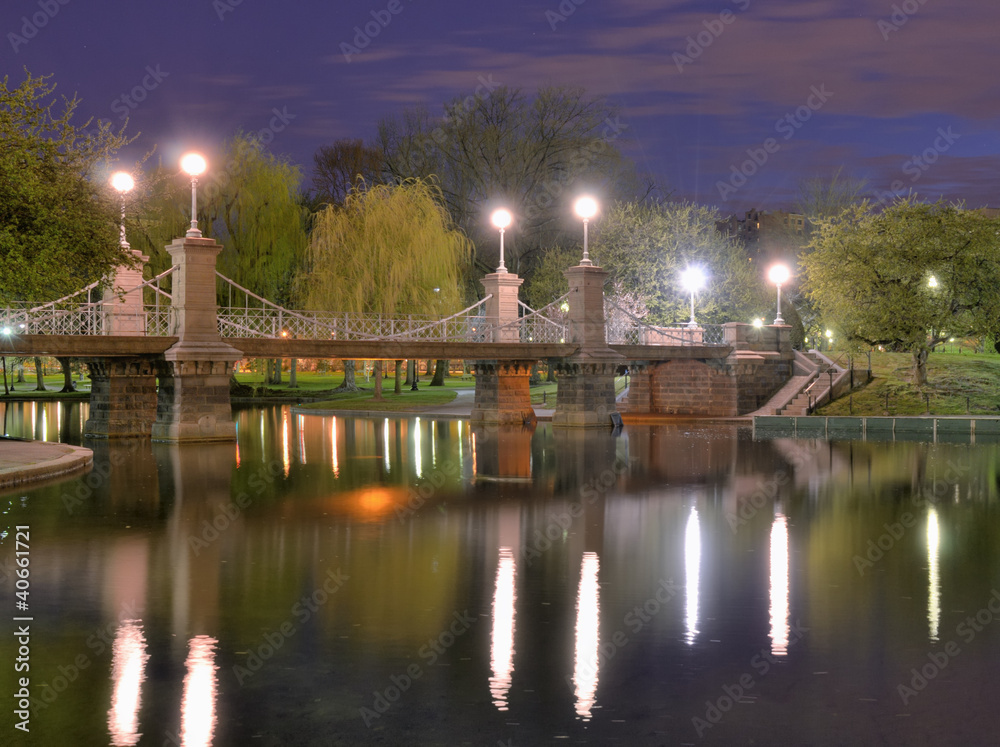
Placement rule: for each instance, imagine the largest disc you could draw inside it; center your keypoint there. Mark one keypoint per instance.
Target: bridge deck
(99, 346)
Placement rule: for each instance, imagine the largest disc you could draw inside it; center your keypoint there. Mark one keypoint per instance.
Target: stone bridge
(163, 370)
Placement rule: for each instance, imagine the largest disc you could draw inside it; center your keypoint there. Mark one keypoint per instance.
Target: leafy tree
(390, 249)
(58, 217)
(646, 247)
(530, 154)
(908, 277)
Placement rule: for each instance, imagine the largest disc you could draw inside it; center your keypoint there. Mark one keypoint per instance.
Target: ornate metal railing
(79, 314)
(623, 328)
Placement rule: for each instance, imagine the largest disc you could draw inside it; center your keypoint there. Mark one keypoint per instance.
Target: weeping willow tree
(389, 250)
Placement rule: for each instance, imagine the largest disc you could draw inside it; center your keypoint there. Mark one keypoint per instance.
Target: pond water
(345, 581)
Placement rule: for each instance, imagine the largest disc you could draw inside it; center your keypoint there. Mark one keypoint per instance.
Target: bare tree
(340, 167)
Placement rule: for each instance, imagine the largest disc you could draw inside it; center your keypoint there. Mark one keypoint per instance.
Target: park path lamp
(693, 280)
(586, 208)
(932, 282)
(6, 333)
(123, 182)
(778, 274)
(501, 219)
(193, 165)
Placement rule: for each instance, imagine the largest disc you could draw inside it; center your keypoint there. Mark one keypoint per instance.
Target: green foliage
(547, 282)
(646, 247)
(870, 274)
(391, 249)
(58, 216)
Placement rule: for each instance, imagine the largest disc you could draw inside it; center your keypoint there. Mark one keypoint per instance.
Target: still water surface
(342, 581)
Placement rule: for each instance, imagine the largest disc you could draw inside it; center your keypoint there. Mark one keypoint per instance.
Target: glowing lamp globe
(501, 218)
(122, 181)
(586, 207)
(193, 164)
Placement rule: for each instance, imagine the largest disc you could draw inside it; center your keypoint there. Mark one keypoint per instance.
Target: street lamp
(123, 182)
(932, 282)
(193, 165)
(693, 280)
(501, 219)
(586, 208)
(778, 274)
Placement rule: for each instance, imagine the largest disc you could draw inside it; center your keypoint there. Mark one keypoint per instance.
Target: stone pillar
(193, 403)
(122, 397)
(502, 394)
(124, 314)
(501, 309)
(586, 395)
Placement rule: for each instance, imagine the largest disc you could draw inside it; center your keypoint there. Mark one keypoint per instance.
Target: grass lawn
(53, 383)
(955, 381)
(405, 401)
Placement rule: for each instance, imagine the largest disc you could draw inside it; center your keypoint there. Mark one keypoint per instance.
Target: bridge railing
(79, 314)
(623, 328)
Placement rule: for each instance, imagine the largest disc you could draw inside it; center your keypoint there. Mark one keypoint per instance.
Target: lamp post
(778, 274)
(123, 182)
(586, 208)
(6, 333)
(501, 219)
(693, 280)
(193, 165)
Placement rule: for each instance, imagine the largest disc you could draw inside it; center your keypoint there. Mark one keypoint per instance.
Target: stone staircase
(809, 383)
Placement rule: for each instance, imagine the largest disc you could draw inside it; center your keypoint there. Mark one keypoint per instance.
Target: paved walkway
(24, 461)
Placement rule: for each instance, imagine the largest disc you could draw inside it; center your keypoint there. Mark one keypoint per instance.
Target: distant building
(766, 234)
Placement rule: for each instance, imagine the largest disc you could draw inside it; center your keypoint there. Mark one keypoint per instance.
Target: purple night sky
(867, 84)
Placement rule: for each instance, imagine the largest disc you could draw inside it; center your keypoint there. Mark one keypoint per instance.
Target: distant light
(758, 322)
(193, 164)
(779, 274)
(951, 339)
(932, 282)
(829, 334)
(501, 218)
(122, 181)
(6, 330)
(585, 207)
(693, 279)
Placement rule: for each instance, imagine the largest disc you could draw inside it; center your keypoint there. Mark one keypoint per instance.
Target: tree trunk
(378, 380)
(19, 368)
(397, 386)
(293, 381)
(275, 371)
(550, 374)
(920, 367)
(439, 373)
(39, 376)
(67, 375)
(430, 368)
(349, 385)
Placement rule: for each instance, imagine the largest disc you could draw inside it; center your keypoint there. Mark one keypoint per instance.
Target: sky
(730, 103)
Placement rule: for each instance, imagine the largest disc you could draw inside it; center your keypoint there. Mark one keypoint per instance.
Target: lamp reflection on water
(285, 458)
(417, 456)
(502, 639)
(588, 619)
(692, 573)
(128, 665)
(933, 575)
(198, 705)
(779, 585)
(333, 447)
